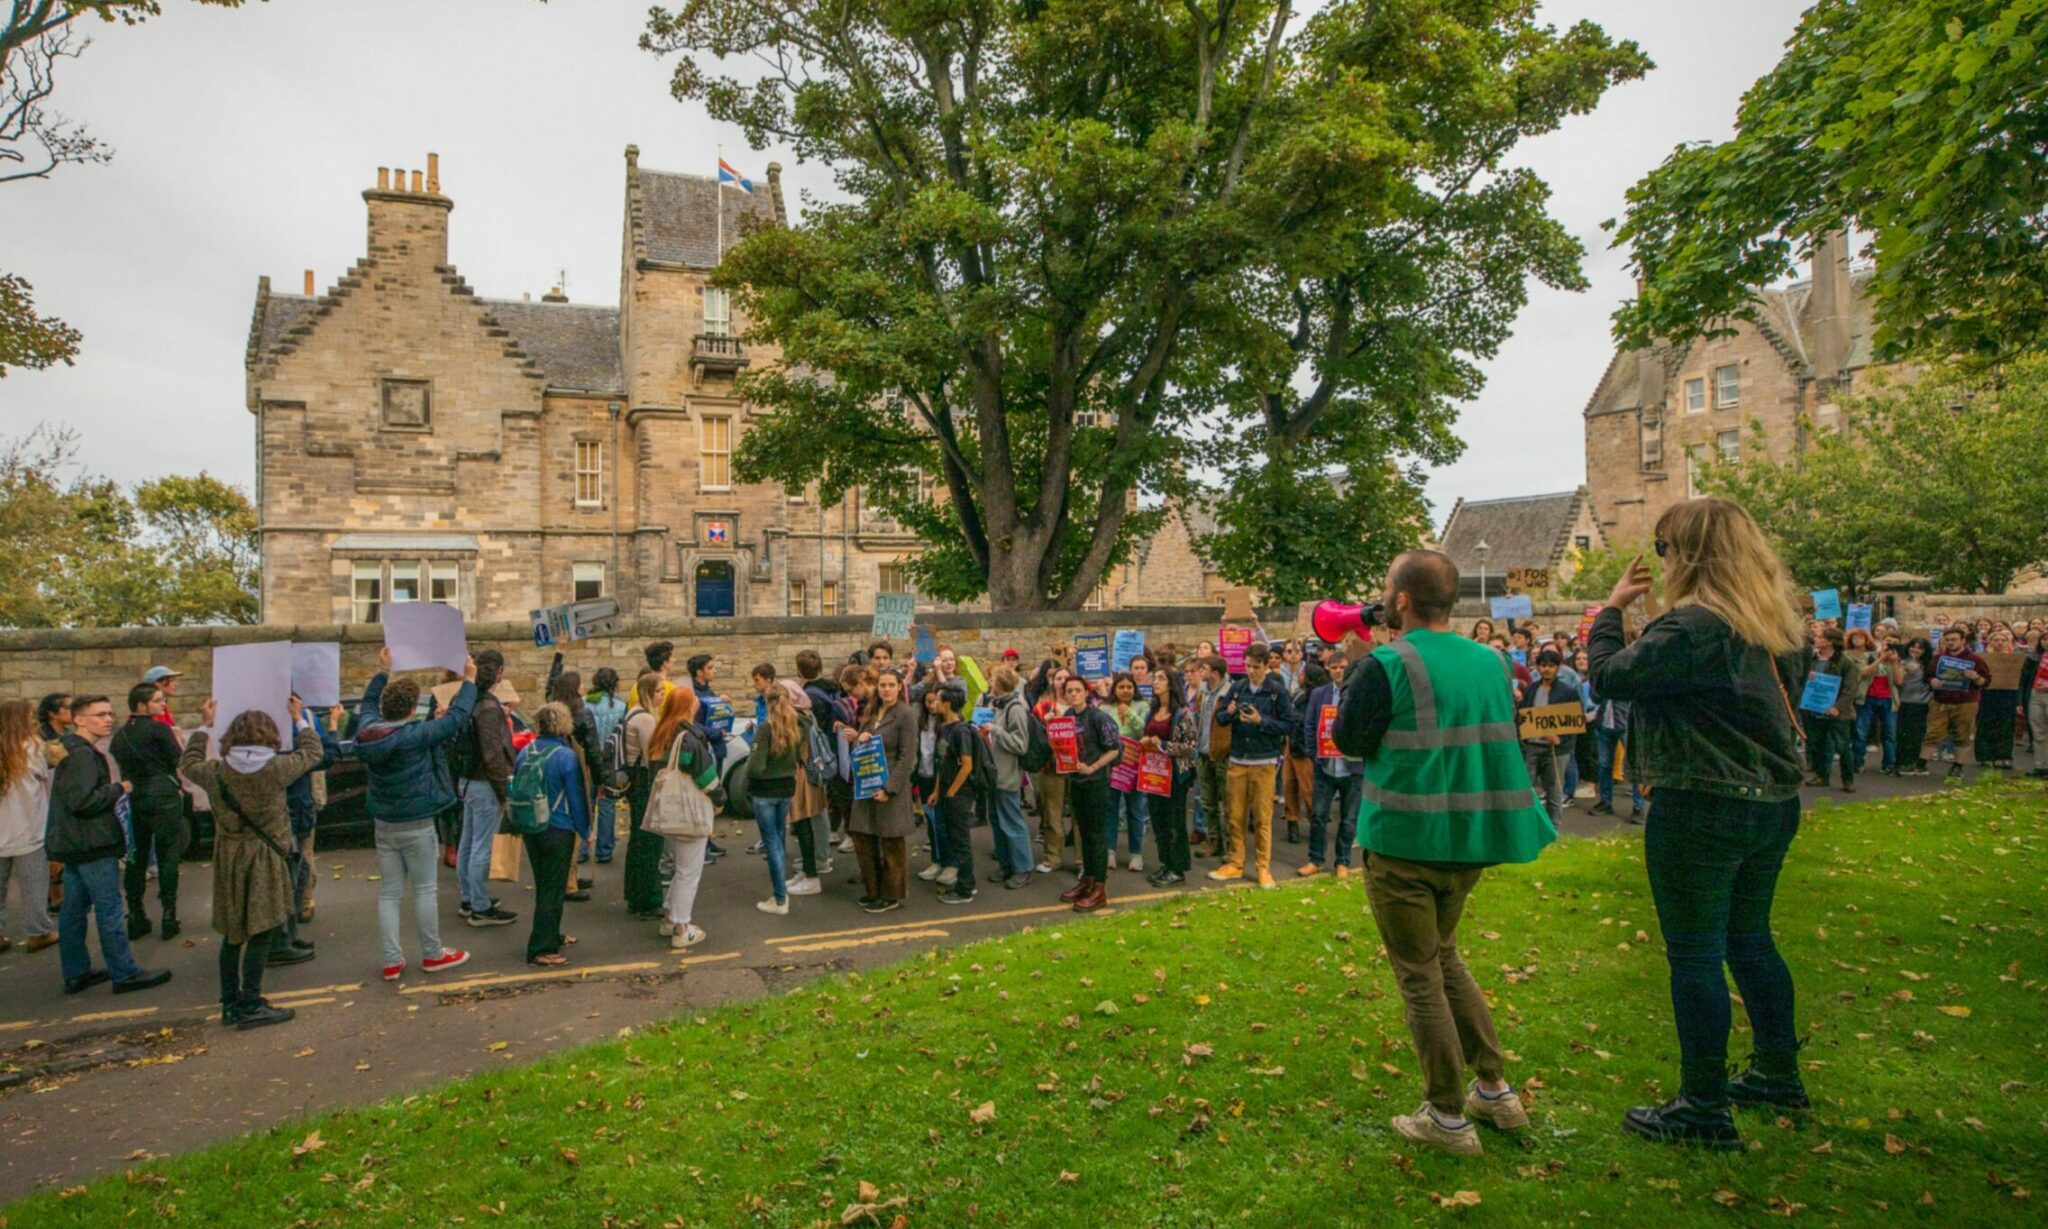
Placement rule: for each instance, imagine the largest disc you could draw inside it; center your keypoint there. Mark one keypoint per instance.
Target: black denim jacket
(1709, 710)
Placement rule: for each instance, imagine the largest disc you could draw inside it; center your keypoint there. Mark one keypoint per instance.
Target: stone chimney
(554, 295)
(775, 193)
(409, 219)
(1829, 308)
(309, 284)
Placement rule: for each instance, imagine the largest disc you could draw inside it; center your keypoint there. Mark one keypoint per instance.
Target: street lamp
(1482, 550)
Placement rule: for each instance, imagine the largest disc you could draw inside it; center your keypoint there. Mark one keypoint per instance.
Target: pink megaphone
(1332, 621)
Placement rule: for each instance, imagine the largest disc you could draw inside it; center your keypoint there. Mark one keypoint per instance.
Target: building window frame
(1728, 444)
(586, 573)
(1696, 395)
(588, 472)
(443, 580)
(714, 452)
(366, 591)
(717, 312)
(404, 572)
(799, 596)
(828, 597)
(891, 578)
(1727, 386)
(395, 398)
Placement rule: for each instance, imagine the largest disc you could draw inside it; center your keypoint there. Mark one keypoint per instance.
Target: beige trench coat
(252, 883)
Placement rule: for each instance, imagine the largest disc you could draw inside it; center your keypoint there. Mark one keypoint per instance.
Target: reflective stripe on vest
(1426, 736)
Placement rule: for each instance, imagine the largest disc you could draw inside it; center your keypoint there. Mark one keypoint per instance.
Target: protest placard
(574, 621)
(1857, 618)
(1553, 719)
(1827, 603)
(1155, 773)
(1065, 737)
(424, 635)
(253, 676)
(1822, 690)
(1591, 613)
(1091, 655)
(718, 715)
(1326, 721)
(316, 674)
(924, 648)
(1514, 606)
(983, 718)
(1123, 775)
(1953, 674)
(893, 612)
(1129, 643)
(1237, 606)
(1231, 642)
(870, 769)
(2005, 670)
(1529, 578)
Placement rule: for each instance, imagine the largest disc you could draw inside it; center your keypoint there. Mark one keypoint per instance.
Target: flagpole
(718, 201)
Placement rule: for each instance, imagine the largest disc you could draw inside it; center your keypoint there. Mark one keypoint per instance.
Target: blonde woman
(772, 769)
(1712, 730)
(24, 811)
(807, 806)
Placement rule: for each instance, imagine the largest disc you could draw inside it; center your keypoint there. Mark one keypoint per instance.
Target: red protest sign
(1065, 737)
(1155, 773)
(1231, 642)
(1326, 747)
(1124, 776)
(1586, 622)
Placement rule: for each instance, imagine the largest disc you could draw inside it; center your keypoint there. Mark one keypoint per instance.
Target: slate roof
(679, 220)
(283, 313)
(576, 345)
(1524, 532)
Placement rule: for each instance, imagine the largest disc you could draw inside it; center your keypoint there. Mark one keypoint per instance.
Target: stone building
(1528, 531)
(417, 441)
(1657, 411)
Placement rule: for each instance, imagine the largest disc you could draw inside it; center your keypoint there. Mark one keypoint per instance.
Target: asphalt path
(96, 1081)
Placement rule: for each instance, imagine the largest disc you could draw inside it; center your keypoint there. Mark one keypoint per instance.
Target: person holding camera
(1258, 711)
(1446, 795)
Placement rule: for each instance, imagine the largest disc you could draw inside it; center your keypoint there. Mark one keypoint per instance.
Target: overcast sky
(246, 137)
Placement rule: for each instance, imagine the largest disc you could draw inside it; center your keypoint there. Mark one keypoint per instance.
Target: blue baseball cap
(157, 674)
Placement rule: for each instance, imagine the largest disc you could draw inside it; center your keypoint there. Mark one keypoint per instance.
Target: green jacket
(1448, 784)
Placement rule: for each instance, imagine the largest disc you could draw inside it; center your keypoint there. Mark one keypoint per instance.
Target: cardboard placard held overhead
(316, 674)
(1566, 718)
(252, 676)
(1529, 578)
(2005, 670)
(424, 635)
(1237, 606)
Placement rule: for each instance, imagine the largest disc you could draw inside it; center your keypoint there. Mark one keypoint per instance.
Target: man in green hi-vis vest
(1445, 796)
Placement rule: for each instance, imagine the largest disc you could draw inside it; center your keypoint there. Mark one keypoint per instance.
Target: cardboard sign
(1091, 655)
(892, 615)
(1822, 691)
(1553, 719)
(1237, 606)
(1231, 642)
(1952, 674)
(1155, 774)
(316, 674)
(444, 695)
(574, 621)
(924, 649)
(1326, 747)
(1592, 612)
(424, 635)
(1515, 606)
(1529, 578)
(1129, 644)
(252, 676)
(2005, 670)
(1858, 617)
(1123, 775)
(1064, 733)
(870, 769)
(1827, 603)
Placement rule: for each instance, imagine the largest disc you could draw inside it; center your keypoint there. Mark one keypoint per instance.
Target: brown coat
(252, 883)
(898, 816)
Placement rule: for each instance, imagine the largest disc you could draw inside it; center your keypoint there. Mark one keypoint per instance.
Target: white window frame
(828, 598)
(366, 609)
(582, 572)
(398, 572)
(1692, 474)
(891, 578)
(1728, 403)
(706, 453)
(717, 312)
(593, 452)
(799, 594)
(437, 571)
(1696, 395)
(1728, 444)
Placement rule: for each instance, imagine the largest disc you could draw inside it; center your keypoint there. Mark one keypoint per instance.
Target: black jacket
(492, 731)
(1266, 738)
(83, 825)
(147, 751)
(1709, 712)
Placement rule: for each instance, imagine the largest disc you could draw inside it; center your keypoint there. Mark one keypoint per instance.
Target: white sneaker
(1137, 862)
(931, 872)
(948, 877)
(804, 885)
(687, 937)
(846, 843)
(1112, 859)
(825, 868)
(666, 928)
(1046, 867)
(780, 908)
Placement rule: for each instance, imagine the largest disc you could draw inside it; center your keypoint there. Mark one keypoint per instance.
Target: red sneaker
(391, 971)
(446, 960)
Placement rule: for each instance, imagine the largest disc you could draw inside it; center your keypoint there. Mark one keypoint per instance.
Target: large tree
(1921, 124)
(1078, 240)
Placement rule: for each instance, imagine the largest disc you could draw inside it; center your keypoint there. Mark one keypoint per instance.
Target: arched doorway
(715, 589)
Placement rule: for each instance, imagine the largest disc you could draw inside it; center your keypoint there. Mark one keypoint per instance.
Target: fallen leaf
(1068, 1177)
(1269, 1071)
(1726, 1198)
(983, 1113)
(312, 1143)
(869, 1192)
(1894, 1145)
(496, 1046)
(1195, 1050)
(1954, 1009)
(1107, 1007)
(1823, 1148)
(1456, 1199)
(1782, 1207)
(569, 1156)
(308, 1052)
(362, 1066)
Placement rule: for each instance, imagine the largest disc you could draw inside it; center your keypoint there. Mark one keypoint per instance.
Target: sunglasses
(1662, 546)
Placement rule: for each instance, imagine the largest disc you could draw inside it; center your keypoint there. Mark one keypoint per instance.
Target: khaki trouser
(1417, 909)
(1300, 780)
(1053, 824)
(2037, 720)
(1958, 721)
(1248, 792)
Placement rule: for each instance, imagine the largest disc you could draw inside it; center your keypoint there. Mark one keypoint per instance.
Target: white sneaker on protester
(846, 844)
(931, 872)
(804, 885)
(949, 876)
(666, 928)
(1137, 862)
(779, 908)
(1112, 859)
(1046, 867)
(688, 936)
(824, 868)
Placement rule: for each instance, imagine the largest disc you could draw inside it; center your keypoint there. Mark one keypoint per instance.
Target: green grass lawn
(1233, 1059)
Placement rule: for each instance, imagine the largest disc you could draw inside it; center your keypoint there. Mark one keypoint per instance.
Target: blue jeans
(409, 854)
(1013, 839)
(1879, 709)
(607, 834)
(772, 814)
(1343, 792)
(1608, 740)
(96, 887)
(1129, 812)
(480, 815)
(1713, 864)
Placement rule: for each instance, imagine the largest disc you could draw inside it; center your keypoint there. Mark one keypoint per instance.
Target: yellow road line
(510, 979)
(298, 1003)
(690, 960)
(337, 988)
(98, 1016)
(996, 916)
(15, 1025)
(833, 945)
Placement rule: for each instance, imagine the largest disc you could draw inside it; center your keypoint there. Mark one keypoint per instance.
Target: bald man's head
(1428, 580)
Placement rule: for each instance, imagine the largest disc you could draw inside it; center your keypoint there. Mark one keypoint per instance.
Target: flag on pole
(727, 177)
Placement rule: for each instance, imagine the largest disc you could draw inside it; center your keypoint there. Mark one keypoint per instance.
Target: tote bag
(677, 808)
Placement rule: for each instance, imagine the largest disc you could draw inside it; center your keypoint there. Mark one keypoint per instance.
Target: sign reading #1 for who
(575, 621)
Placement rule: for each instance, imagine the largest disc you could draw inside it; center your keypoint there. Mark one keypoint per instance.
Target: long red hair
(677, 712)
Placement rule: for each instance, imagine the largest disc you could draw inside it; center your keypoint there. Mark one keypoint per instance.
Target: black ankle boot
(1679, 1121)
(170, 927)
(138, 924)
(1769, 1079)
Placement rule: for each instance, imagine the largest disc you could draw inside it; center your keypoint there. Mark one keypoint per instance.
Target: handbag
(677, 808)
(235, 809)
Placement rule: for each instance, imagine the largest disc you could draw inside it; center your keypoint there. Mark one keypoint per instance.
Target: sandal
(551, 960)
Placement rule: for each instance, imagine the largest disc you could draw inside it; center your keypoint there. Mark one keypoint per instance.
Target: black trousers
(551, 852)
(643, 848)
(241, 969)
(1092, 818)
(957, 814)
(1170, 826)
(158, 828)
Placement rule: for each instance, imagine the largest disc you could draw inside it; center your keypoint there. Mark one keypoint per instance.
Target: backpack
(821, 758)
(466, 752)
(848, 712)
(982, 777)
(611, 770)
(527, 808)
(1037, 755)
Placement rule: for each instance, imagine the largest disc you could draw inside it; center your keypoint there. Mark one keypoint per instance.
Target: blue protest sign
(1858, 617)
(870, 769)
(1091, 655)
(1521, 656)
(1516, 606)
(718, 716)
(1827, 603)
(1129, 643)
(926, 649)
(983, 718)
(1821, 692)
